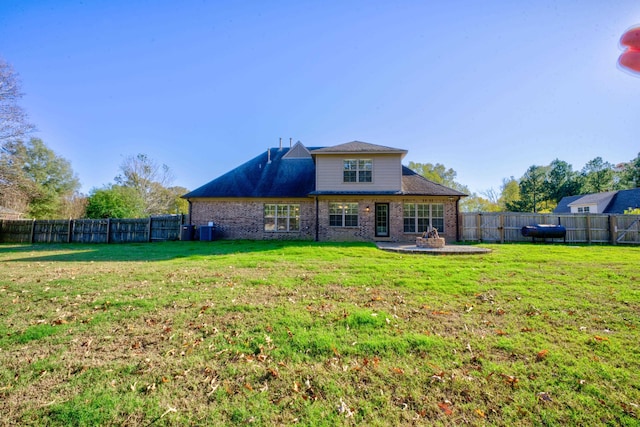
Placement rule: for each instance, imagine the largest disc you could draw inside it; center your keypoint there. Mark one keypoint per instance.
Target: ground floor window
(281, 218)
(343, 214)
(419, 217)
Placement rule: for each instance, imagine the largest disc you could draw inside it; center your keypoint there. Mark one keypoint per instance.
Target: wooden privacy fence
(504, 227)
(155, 228)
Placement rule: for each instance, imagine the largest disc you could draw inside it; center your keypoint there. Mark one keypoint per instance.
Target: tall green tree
(114, 201)
(630, 176)
(38, 175)
(598, 176)
(532, 191)
(509, 193)
(562, 181)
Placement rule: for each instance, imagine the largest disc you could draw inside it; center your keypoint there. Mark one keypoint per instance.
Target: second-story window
(357, 170)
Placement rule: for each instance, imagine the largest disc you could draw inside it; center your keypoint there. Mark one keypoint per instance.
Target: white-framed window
(419, 217)
(281, 217)
(343, 214)
(357, 170)
(584, 209)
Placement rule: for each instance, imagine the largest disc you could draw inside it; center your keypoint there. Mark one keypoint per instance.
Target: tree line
(38, 183)
(540, 188)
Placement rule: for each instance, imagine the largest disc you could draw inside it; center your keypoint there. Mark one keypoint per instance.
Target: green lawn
(277, 333)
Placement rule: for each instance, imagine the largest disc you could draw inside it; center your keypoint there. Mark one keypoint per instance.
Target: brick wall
(245, 219)
(365, 231)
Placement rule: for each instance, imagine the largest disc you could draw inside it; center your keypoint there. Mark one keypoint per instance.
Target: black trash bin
(187, 232)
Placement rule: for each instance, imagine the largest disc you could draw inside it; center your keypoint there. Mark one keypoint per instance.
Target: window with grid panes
(281, 217)
(360, 170)
(418, 217)
(343, 214)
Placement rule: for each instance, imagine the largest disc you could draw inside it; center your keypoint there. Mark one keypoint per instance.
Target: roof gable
(593, 199)
(356, 147)
(298, 151)
(616, 201)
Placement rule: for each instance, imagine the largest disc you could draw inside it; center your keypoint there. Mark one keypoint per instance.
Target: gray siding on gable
(387, 173)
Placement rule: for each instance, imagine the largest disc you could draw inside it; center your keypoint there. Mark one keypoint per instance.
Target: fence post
(149, 230)
(613, 229)
(588, 228)
(70, 230)
(479, 226)
(33, 230)
(501, 228)
(108, 230)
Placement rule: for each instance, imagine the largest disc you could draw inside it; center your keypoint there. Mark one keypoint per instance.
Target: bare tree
(13, 118)
(150, 180)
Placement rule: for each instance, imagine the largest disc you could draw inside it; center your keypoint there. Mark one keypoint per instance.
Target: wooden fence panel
(129, 230)
(165, 228)
(51, 231)
(90, 231)
(581, 228)
(470, 232)
(627, 229)
(16, 231)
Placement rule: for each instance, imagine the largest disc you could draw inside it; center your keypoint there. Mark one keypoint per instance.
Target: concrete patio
(449, 249)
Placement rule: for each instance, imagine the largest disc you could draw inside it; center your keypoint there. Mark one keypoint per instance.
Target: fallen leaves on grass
(511, 380)
(445, 407)
(542, 354)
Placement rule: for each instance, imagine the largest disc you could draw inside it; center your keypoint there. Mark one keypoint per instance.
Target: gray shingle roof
(295, 177)
(619, 201)
(563, 204)
(357, 147)
(259, 178)
(415, 184)
(594, 198)
(624, 200)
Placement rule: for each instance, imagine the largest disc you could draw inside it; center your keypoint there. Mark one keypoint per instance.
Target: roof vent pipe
(290, 142)
(280, 143)
(268, 155)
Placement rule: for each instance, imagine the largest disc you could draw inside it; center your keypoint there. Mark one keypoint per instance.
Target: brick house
(350, 192)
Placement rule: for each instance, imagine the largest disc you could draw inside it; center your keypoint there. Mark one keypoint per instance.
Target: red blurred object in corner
(630, 58)
(631, 38)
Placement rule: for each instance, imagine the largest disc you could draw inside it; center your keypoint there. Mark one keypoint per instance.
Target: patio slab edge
(446, 250)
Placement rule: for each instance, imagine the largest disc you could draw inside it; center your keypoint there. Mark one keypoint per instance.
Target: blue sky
(486, 88)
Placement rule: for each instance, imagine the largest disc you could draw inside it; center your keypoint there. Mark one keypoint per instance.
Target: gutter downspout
(317, 223)
(457, 220)
(189, 211)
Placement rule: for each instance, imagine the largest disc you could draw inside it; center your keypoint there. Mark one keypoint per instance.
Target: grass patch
(279, 333)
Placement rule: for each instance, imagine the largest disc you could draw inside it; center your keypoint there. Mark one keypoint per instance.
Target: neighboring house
(610, 202)
(6, 213)
(349, 192)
